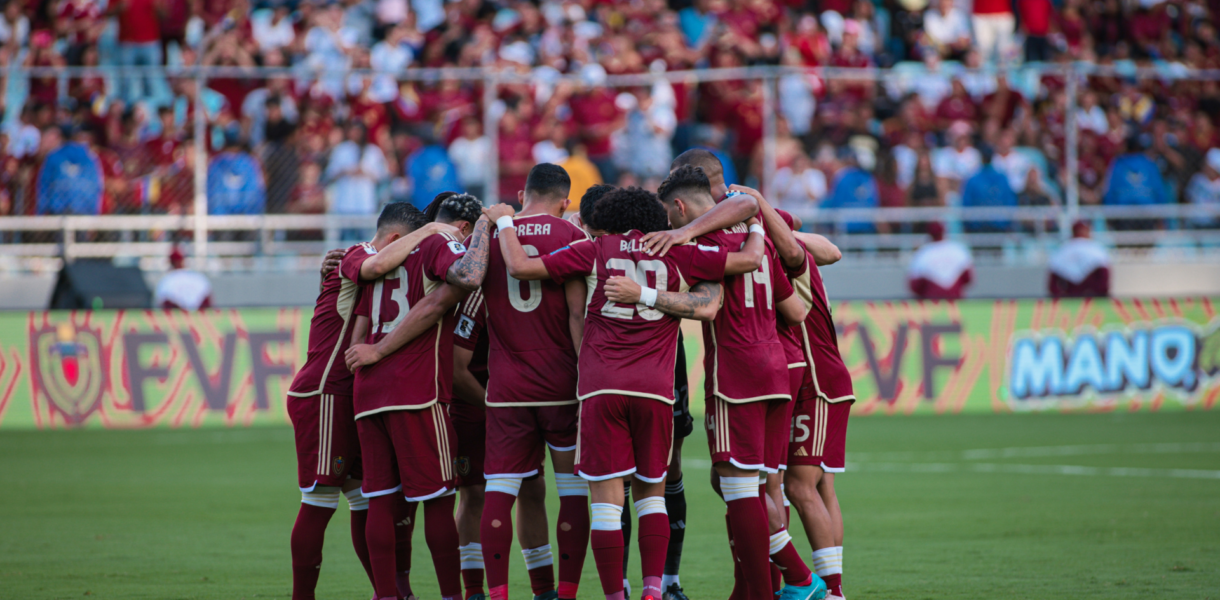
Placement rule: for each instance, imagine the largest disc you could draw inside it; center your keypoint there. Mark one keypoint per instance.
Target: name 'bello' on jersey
(743, 357)
(831, 379)
(531, 360)
(324, 371)
(631, 349)
(421, 372)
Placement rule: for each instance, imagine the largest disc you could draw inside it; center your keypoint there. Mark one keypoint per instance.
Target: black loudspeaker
(97, 283)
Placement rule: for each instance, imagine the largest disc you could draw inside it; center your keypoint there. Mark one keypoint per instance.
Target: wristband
(648, 297)
(504, 222)
(756, 228)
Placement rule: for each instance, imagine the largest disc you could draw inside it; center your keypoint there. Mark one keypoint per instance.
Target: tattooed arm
(468, 272)
(701, 303)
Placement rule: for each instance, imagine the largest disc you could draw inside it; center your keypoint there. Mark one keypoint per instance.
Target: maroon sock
(472, 580)
(834, 583)
(739, 588)
(749, 522)
(307, 536)
(496, 535)
(787, 560)
(777, 578)
(572, 537)
(404, 529)
(654, 543)
(360, 520)
(542, 579)
(379, 535)
(608, 556)
(440, 531)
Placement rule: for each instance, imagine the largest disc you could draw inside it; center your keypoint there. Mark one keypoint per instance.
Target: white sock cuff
(738, 488)
(650, 506)
(606, 517)
(504, 485)
(780, 540)
(568, 484)
(356, 500)
(762, 478)
(322, 497)
(674, 488)
(537, 557)
(783, 492)
(827, 561)
(471, 556)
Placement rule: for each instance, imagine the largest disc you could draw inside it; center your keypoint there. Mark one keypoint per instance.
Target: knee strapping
(606, 517)
(650, 506)
(322, 496)
(571, 485)
(504, 485)
(356, 500)
(738, 488)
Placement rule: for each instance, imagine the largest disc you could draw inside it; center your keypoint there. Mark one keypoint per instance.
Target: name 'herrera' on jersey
(530, 229)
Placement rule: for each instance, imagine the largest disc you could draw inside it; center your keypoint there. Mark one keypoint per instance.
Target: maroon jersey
(742, 356)
(468, 334)
(789, 337)
(532, 361)
(631, 350)
(325, 371)
(420, 373)
(831, 380)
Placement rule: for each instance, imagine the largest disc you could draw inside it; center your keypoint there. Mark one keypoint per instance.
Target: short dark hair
(435, 205)
(686, 178)
(625, 209)
(698, 157)
(589, 201)
(460, 207)
(550, 180)
(401, 214)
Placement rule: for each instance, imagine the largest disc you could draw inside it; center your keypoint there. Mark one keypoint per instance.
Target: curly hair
(435, 206)
(589, 200)
(460, 207)
(686, 178)
(630, 208)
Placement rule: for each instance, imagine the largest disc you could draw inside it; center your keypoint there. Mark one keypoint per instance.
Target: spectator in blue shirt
(1134, 180)
(988, 187)
(853, 188)
(430, 172)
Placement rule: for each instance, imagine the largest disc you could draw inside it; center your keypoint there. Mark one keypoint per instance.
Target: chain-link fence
(246, 162)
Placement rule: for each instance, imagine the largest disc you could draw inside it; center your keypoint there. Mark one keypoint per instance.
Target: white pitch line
(1041, 451)
(1075, 470)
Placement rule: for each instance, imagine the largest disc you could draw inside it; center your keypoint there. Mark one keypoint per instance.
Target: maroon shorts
(737, 432)
(408, 450)
(807, 389)
(328, 449)
(819, 434)
(521, 434)
(620, 435)
(779, 428)
(470, 424)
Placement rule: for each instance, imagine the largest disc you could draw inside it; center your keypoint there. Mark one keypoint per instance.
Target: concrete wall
(843, 281)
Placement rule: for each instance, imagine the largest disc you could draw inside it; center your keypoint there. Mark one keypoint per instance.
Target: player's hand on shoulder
(622, 289)
(659, 242)
(749, 191)
(331, 261)
(361, 355)
(496, 211)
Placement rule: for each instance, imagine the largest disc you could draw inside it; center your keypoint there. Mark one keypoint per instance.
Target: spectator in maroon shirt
(1080, 268)
(1004, 104)
(139, 46)
(80, 24)
(595, 113)
(174, 16)
(1036, 23)
(44, 90)
(1148, 26)
(957, 106)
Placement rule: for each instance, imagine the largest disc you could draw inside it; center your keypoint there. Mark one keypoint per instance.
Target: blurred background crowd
(972, 110)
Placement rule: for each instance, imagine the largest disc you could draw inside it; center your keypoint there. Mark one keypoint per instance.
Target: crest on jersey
(68, 370)
(462, 465)
(339, 465)
(456, 247)
(465, 327)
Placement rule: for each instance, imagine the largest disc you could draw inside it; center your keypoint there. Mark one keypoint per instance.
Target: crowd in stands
(968, 114)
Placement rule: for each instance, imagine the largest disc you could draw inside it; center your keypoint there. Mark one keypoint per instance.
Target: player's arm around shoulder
(727, 213)
(468, 272)
(749, 258)
(393, 255)
(824, 251)
(701, 303)
(422, 317)
(520, 265)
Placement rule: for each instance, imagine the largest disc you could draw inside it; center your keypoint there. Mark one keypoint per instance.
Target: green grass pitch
(1036, 506)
